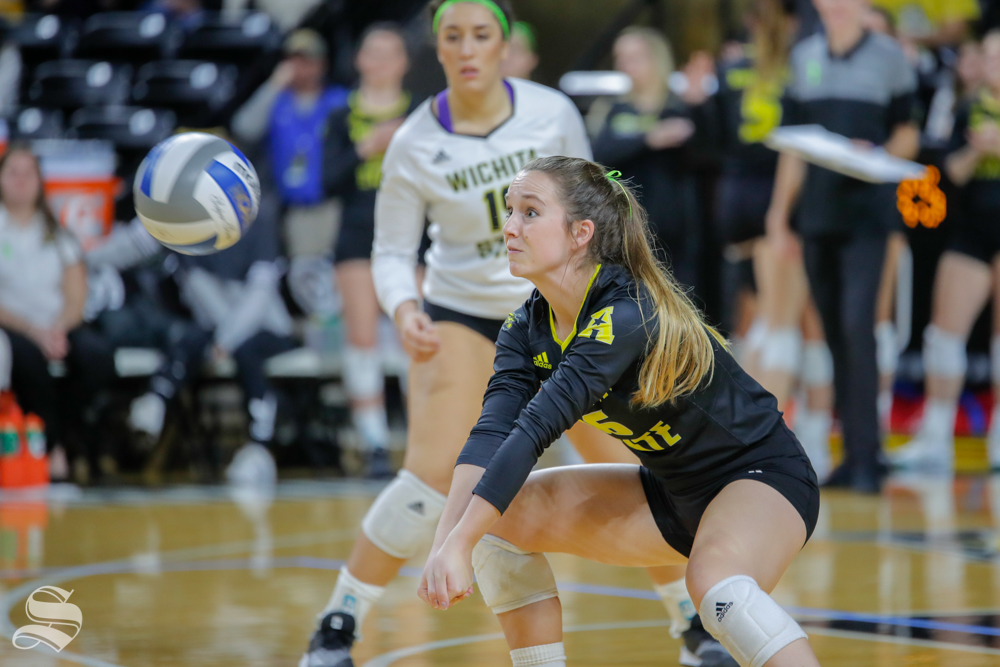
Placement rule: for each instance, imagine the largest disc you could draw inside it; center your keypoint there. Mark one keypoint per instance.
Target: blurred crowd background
(145, 364)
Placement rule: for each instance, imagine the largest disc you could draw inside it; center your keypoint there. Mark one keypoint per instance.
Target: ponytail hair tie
(613, 176)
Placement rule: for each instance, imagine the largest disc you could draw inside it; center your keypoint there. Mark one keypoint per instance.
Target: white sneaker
(924, 453)
(147, 414)
(252, 465)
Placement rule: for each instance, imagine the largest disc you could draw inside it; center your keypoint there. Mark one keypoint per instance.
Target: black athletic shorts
(357, 234)
(741, 206)
(484, 326)
(778, 462)
(977, 235)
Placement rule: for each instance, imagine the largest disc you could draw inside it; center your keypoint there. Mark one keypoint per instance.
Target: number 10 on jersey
(496, 205)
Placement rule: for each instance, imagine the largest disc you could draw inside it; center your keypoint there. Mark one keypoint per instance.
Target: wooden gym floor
(194, 577)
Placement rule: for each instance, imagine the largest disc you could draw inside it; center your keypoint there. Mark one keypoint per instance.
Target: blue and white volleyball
(196, 193)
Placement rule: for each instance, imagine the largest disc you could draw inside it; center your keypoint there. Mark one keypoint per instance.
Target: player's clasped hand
(447, 577)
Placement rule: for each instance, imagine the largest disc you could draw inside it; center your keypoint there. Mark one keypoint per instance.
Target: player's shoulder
(418, 137)
(540, 98)
(616, 288)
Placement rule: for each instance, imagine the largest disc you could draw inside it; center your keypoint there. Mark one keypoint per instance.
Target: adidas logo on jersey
(441, 157)
(721, 608)
(542, 361)
(417, 507)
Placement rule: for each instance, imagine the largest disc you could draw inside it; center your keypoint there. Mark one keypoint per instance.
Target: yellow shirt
(921, 17)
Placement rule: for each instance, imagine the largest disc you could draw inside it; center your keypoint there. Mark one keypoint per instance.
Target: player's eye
(531, 213)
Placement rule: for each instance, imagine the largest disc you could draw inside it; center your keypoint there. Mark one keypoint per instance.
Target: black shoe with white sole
(700, 649)
(330, 645)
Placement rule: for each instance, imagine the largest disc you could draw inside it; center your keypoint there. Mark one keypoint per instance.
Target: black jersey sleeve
(513, 384)
(594, 361)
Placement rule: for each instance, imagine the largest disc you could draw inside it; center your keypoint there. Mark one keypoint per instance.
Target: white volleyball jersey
(458, 183)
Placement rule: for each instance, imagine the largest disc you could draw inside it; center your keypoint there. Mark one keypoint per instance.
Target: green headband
(524, 29)
(488, 4)
(613, 176)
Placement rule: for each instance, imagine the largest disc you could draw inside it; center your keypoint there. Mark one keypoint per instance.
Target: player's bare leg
(747, 537)
(787, 292)
(668, 580)
(444, 400)
(814, 419)
(962, 287)
(363, 374)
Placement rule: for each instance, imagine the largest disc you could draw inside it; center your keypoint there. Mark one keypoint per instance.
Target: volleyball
(196, 193)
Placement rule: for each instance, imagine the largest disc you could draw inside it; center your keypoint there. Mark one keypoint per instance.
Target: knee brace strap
(782, 350)
(817, 364)
(944, 353)
(510, 578)
(404, 516)
(747, 621)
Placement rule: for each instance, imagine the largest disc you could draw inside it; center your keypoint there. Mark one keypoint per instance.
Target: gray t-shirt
(31, 269)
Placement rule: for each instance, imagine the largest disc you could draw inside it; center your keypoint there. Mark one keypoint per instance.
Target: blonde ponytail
(680, 357)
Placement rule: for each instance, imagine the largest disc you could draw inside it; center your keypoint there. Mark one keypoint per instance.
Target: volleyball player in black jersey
(609, 338)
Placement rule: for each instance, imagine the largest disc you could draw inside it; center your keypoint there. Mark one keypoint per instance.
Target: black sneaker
(700, 649)
(330, 645)
(380, 464)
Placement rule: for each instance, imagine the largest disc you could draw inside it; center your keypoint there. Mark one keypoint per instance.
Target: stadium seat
(131, 37)
(70, 84)
(193, 89)
(36, 123)
(40, 38)
(239, 42)
(128, 128)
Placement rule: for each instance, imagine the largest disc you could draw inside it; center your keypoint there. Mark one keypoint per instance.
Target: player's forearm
(961, 165)
(459, 496)
(787, 183)
(476, 521)
(904, 142)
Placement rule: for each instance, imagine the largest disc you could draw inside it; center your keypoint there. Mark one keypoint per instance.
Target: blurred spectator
(931, 23)
(748, 106)
(144, 319)
(966, 276)
(239, 312)
(860, 85)
(357, 138)
(645, 135)
(43, 286)
(522, 56)
(291, 110)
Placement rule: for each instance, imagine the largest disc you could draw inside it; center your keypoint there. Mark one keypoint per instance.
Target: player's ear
(583, 232)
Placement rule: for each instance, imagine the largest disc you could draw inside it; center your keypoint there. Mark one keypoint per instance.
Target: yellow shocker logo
(600, 324)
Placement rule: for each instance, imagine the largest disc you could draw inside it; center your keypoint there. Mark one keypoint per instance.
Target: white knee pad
(747, 621)
(944, 353)
(817, 364)
(886, 348)
(404, 516)
(7, 361)
(363, 375)
(782, 350)
(510, 578)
